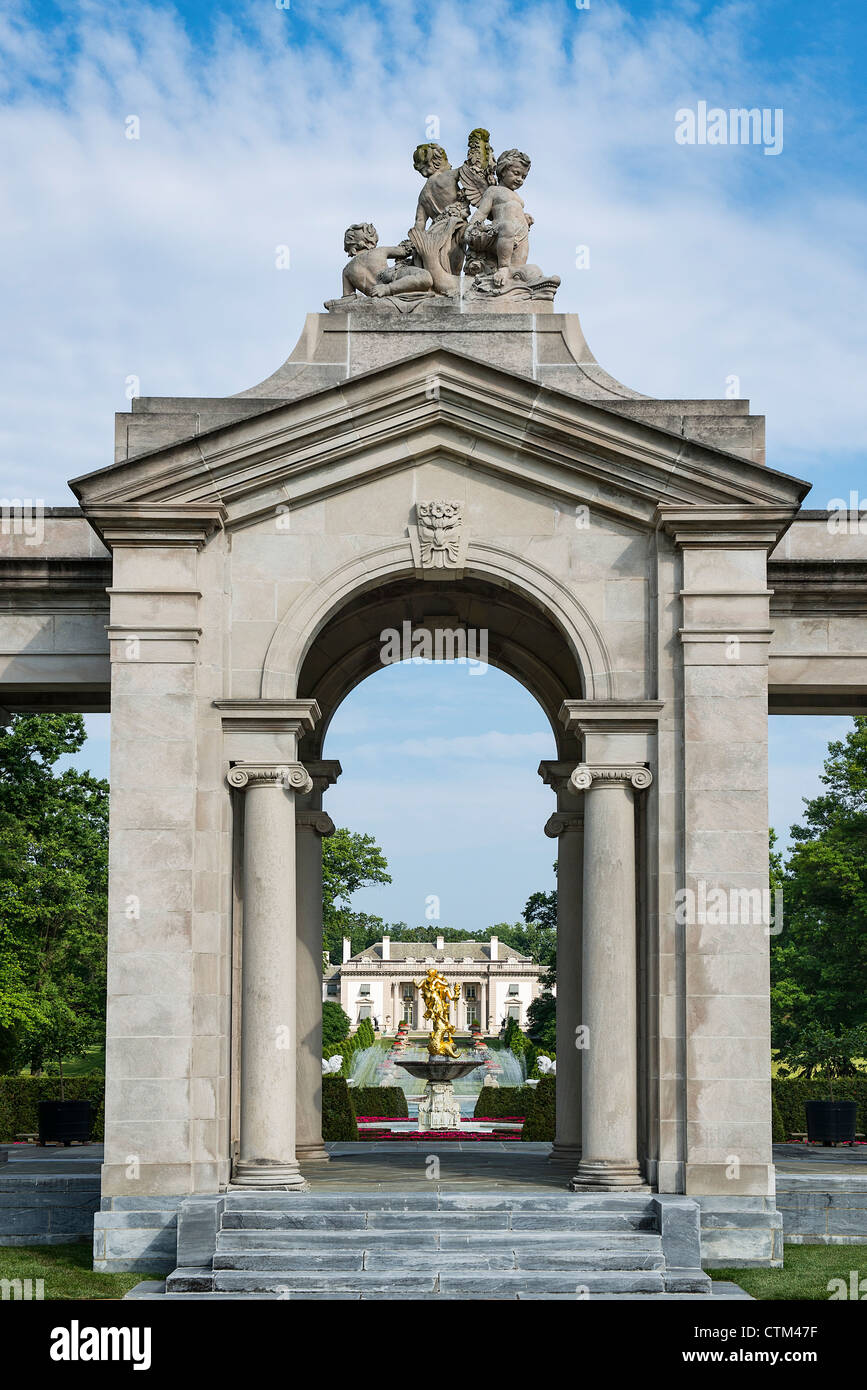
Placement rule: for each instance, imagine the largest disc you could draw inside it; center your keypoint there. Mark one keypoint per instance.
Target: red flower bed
(436, 1136)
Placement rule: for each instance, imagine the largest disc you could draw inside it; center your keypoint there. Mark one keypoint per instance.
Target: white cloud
(155, 257)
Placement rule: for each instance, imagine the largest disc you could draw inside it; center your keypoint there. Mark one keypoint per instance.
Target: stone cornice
(610, 716)
(137, 524)
(291, 776)
(610, 774)
(517, 428)
(319, 821)
(750, 526)
(556, 773)
(272, 716)
(324, 771)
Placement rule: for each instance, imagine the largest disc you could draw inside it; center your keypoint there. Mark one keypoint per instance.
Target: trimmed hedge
(362, 1038)
(338, 1115)
(539, 1124)
(385, 1101)
(779, 1134)
(20, 1097)
(791, 1094)
(494, 1102)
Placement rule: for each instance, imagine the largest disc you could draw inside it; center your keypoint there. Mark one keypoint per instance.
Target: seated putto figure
(508, 239)
(369, 272)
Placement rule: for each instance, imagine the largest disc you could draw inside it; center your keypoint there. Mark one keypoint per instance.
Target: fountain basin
(445, 1069)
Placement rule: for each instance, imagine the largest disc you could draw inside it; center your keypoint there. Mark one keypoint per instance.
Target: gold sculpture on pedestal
(437, 998)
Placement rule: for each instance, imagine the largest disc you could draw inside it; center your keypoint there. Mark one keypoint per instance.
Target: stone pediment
(438, 405)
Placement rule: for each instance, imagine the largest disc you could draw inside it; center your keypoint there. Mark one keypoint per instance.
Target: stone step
(442, 1262)
(424, 1241)
(494, 1200)
(472, 1284)
(420, 1220)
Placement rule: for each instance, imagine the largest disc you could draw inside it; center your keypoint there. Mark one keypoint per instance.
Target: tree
(53, 892)
(350, 861)
(335, 1023)
(819, 960)
(542, 1021)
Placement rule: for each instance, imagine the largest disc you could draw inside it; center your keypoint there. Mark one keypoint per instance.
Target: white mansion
(496, 982)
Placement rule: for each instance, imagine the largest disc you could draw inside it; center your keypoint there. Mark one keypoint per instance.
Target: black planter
(62, 1121)
(831, 1121)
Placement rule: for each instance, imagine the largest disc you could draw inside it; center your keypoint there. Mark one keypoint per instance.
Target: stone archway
(536, 631)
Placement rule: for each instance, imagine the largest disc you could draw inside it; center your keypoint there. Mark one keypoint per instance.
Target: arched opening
(397, 638)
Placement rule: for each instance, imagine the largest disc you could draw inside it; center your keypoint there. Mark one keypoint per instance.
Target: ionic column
(268, 1012)
(311, 828)
(568, 829)
(609, 1102)
(483, 1005)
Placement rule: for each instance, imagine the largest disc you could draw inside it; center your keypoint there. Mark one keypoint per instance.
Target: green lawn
(68, 1275)
(808, 1268)
(91, 1061)
(66, 1271)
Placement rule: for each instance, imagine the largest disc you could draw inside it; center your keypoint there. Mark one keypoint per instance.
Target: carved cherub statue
(508, 238)
(369, 272)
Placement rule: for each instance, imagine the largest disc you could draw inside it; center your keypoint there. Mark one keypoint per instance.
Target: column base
(565, 1153)
(268, 1173)
(608, 1175)
(311, 1153)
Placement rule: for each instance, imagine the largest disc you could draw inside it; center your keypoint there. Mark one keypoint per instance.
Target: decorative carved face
(439, 525)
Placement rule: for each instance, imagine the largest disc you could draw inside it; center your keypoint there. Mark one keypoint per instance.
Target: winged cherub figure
(508, 238)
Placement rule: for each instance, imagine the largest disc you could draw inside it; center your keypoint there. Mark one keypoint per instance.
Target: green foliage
(380, 1100)
(335, 1023)
(362, 1037)
(350, 861)
(779, 1134)
(823, 1054)
(540, 1121)
(791, 1094)
(542, 1022)
(20, 1097)
(495, 1102)
(338, 1116)
(819, 960)
(53, 892)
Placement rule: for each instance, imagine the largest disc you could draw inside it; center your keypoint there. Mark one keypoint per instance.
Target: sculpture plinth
(439, 1107)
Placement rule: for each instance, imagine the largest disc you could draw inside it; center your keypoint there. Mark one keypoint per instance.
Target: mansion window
(471, 991)
(513, 991)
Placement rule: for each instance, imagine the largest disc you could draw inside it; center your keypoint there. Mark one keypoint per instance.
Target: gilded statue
(437, 999)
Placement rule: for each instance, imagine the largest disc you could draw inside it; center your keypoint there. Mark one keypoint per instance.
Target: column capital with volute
(292, 777)
(587, 775)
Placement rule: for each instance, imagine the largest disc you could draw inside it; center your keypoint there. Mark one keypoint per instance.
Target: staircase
(484, 1245)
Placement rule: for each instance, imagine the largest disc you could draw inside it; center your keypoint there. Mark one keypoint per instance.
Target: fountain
(439, 1108)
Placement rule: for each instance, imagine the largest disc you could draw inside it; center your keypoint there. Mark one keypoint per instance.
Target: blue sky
(262, 125)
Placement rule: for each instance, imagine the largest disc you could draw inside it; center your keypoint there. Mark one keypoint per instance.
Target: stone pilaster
(163, 1008)
(609, 1118)
(724, 638)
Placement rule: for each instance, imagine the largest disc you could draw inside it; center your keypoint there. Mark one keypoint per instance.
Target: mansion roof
(452, 953)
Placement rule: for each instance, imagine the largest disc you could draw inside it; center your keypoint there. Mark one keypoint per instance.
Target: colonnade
(597, 991)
